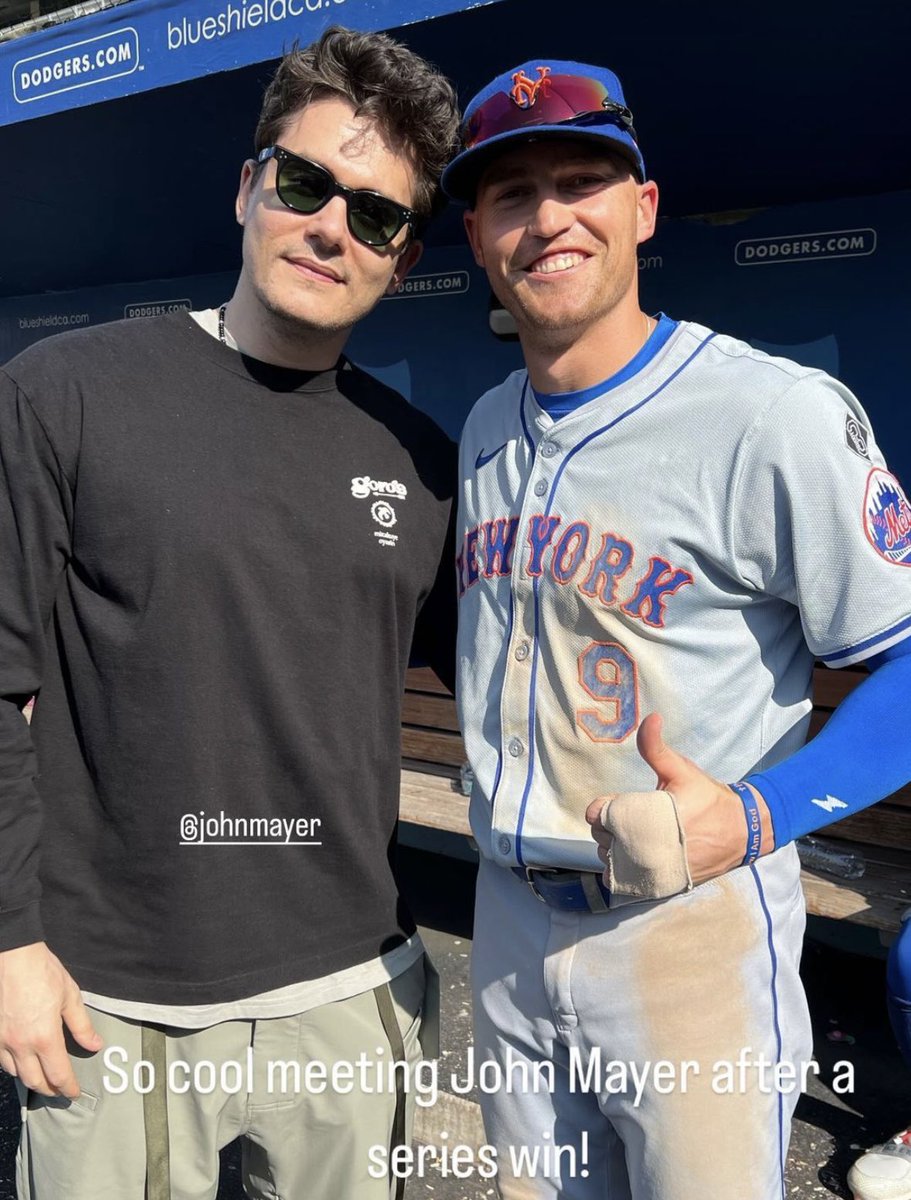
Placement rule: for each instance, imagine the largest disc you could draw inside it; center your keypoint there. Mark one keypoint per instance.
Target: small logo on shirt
(383, 513)
(856, 437)
(385, 516)
(483, 459)
(382, 492)
(363, 486)
(887, 517)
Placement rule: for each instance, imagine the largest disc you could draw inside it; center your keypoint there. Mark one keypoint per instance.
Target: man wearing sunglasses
(656, 521)
(220, 541)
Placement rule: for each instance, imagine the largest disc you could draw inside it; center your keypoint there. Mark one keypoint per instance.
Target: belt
(573, 891)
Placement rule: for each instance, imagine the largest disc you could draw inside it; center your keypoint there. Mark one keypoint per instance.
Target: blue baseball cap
(542, 98)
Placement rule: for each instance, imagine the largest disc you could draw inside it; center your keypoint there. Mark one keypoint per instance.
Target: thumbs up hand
(711, 814)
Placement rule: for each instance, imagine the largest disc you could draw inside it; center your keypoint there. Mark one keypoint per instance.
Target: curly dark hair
(413, 104)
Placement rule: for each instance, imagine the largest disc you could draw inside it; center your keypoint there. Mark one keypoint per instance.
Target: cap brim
(460, 179)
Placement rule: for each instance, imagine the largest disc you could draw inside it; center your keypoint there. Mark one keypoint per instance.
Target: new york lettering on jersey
(488, 550)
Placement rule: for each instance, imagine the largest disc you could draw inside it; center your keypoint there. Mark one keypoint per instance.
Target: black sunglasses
(307, 187)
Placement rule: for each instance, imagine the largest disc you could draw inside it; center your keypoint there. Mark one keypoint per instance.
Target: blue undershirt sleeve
(861, 754)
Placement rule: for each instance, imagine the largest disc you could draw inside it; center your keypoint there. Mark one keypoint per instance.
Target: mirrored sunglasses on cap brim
(551, 100)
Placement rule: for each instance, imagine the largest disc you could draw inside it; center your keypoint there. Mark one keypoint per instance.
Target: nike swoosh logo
(483, 459)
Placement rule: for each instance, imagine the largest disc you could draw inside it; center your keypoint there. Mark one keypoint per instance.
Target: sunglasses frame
(406, 216)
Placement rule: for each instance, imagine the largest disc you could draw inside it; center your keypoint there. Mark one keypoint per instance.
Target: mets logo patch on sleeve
(887, 517)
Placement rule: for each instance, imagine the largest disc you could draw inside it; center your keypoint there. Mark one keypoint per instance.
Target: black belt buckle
(527, 875)
(571, 892)
(530, 873)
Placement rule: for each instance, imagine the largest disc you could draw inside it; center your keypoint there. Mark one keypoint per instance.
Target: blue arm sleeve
(861, 754)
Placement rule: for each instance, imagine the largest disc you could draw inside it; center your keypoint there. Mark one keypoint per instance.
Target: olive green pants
(311, 1096)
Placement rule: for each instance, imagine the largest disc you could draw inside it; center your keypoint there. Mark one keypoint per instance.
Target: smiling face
(306, 280)
(556, 225)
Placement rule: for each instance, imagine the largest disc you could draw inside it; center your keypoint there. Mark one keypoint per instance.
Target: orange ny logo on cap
(525, 90)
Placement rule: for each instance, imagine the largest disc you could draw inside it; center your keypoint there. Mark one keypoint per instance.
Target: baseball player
(661, 529)
(884, 1172)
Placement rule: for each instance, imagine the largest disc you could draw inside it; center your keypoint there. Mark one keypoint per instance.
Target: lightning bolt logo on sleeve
(830, 804)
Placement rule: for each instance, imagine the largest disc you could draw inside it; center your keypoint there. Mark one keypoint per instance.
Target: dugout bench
(432, 754)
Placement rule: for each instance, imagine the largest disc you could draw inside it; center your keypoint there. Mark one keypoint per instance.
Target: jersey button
(522, 651)
(548, 449)
(504, 845)
(515, 747)
(541, 487)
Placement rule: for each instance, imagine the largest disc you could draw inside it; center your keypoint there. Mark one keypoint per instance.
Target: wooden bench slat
(881, 856)
(440, 770)
(437, 712)
(430, 746)
(884, 824)
(430, 800)
(876, 900)
(423, 679)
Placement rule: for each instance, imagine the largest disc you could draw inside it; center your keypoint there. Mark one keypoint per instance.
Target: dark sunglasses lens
(306, 187)
(303, 186)
(374, 220)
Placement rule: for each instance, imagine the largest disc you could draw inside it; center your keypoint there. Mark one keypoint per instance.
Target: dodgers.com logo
(887, 517)
(76, 65)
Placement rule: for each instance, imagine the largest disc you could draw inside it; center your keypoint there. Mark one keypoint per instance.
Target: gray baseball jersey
(687, 543)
